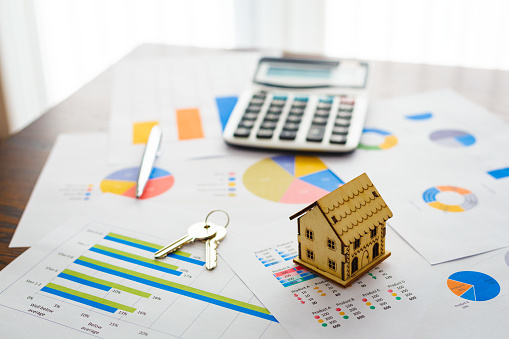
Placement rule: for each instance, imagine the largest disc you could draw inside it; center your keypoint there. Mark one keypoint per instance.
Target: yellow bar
(141, 131)
(189, 124)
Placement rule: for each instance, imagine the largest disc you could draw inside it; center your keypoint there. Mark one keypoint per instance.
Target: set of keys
(207, 232)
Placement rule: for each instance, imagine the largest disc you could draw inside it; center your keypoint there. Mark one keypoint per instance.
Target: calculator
(302, 105)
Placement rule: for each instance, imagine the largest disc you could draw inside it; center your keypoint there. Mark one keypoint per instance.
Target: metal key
(212, 243)
(211, 247)
(200, 231)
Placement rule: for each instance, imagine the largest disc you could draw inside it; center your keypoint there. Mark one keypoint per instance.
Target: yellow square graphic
(141, 131)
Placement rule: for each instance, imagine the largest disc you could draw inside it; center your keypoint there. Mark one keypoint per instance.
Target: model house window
(355, 264)
(375, 195)
(357, 243)
(373, 231)
(332, 265)
(334, 220)
(309, 234)
(331, 244)
(311, 254)
(376, 250)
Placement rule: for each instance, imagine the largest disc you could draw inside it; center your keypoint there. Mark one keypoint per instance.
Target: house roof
(357, 207)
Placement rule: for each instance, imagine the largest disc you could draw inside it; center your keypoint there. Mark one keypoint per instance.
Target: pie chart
(473, 286)
(452, 138)
(468, 199)
(291, 179)
(377, 139)
(123, 182)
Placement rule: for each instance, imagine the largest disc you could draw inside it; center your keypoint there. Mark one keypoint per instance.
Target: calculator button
(268, 125)
(256, 102)
(250, 116)
(242, 132)
(319, 121)
(294, 118)
(278, 103)
(344, 115)
(322, 113)
(324, 105)
(246, 123)
(299, 104)
(297, 111)
(288, 135)
(345, 108)
(253, 109)
(304, 99)
(264, 134)
(342, 122)
(290, 126)
(275, 109)
(260, 95)
(340, 130)
(272, 117)
(347, 100)
(316, 133)
(279, 97)
(338, 139)
(327, 100)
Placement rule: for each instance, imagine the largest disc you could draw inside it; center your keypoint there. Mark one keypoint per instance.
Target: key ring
(227, 222)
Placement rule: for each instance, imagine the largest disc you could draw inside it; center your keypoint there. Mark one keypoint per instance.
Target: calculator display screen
(297, 73)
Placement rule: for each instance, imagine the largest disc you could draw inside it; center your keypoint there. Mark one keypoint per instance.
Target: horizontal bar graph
(99, 283)
(151, 247)
(85, 298)
(174, 287)
(136, 259)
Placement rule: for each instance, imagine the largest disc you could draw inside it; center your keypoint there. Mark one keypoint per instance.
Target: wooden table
(22, 156)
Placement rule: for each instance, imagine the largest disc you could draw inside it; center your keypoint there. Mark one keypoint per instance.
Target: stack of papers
(435, 157)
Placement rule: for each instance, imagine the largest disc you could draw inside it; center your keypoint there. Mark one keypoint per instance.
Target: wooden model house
(342, 235)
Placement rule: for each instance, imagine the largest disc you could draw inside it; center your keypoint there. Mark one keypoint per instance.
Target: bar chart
(105, 282)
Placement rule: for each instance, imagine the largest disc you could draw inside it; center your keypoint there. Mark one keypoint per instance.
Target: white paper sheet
(155, 89)
(52, 289)
(412, 176)
(402, 297)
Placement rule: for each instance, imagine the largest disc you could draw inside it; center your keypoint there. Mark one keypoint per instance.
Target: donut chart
(388, 140)
(290, 179)
(473, 286)
(452, 138)
(430, 197)
(123, 182)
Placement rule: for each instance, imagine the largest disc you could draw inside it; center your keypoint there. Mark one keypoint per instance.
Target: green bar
(91, 297)
(145, 243)
(137, 257)
(176, 285)
(184, 254)
(136, 241)
(107, 283)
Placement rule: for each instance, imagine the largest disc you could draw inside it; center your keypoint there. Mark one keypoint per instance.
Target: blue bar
(154, 249)
(177, 291)
(133, 244)
(225, 106)
(189, 260)
(137, 262)
(500, 173)
(85, 282)
(79, 299)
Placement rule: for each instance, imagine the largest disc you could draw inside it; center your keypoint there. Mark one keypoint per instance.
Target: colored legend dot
(317, 317)
(394, 294)
(324, 325)
(364, 299)
(320, 321)
(232, 195)
(398, 298)
(345, 317)
(338, 309)
(372, 307)
(231, 184)
(390, 291)
(231, 173)
(368, 303)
